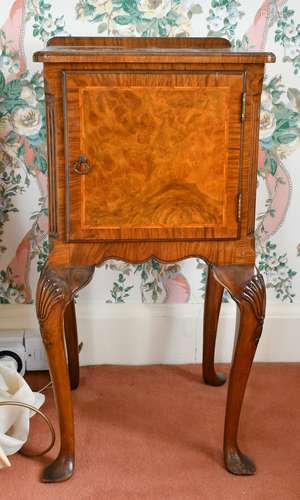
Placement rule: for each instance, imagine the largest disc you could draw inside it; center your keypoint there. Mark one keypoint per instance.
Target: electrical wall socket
(28, 346)
(36, 358)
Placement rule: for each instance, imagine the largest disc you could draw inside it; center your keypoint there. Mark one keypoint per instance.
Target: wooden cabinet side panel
(52, 170)
(55, 145)
(254, 81)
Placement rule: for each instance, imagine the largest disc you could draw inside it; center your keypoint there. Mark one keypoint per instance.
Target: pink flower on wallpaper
(14, 32)
(177, 289)
(257, 33)
(279, 193)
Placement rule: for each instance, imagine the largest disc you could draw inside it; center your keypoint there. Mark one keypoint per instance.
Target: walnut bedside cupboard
(152, 152)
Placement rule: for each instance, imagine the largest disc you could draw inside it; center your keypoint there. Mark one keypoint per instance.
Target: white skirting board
(149, 334)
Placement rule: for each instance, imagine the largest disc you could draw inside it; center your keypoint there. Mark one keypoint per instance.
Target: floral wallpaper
(26, 25)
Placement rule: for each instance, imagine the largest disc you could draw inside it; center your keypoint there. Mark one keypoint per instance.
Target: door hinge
(243, 111)
(239, 207)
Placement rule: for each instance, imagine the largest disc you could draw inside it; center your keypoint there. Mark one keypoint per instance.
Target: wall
(26, 26)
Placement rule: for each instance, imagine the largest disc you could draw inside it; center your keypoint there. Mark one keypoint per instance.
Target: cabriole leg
(71, 336)
(246, 286)
(212, 305)
(56, 289)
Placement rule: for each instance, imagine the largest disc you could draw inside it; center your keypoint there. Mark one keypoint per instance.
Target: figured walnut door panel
(163, 154)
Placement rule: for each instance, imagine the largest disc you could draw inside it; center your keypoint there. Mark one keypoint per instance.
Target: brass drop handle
(81, 166)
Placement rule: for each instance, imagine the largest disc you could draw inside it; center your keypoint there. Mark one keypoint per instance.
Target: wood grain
(226, 254)
(246, 286)
(214, 251)
(135, 49)
(212, 305)
(155, 173)
(150, 55)
(71, 337)
(56, 289)
(51, 151)
(151, 155)
(135, 42)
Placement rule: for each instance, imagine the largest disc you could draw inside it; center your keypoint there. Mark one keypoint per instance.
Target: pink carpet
(155, 433)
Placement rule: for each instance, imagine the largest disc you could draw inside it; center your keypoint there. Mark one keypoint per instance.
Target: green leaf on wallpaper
(282, 112)
(36, 78)
(41, 163)
(13, 89)
(8, 105)
(285, 138)
(102, 27)
(20, 150)
(282, 124)
(155, 264)
(2, 82)
(3, 300)
(271, 165)
(98, 18)
(161, 29)
(123, 19)
(171, 18)
(130, 6)
(287, 12)
(36, 30)
(144, 275)
(39, 91)
(11, 138)
(121, 278)
(278, 36)
(276, 94)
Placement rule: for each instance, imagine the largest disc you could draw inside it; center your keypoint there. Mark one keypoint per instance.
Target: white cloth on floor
(14, 420)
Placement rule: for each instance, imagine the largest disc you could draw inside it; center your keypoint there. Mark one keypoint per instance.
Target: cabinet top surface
(104, 49)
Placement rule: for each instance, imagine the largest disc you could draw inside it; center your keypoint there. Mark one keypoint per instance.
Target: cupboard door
(152, 156)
